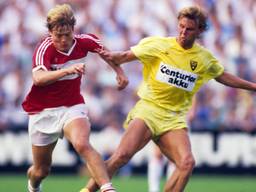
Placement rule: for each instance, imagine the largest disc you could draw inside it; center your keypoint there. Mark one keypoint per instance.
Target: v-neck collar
(182, 49)
(69, 51)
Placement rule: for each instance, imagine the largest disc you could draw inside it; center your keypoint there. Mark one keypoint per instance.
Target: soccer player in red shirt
(55, 105)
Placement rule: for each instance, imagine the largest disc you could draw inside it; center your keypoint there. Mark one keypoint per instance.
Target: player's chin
(63, 48)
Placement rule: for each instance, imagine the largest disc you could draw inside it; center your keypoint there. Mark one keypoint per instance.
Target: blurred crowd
(121, 24)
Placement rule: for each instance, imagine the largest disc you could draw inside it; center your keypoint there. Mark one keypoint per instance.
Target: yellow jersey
(172, 74)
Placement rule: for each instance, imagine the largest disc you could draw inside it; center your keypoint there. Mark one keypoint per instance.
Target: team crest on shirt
(193, 64)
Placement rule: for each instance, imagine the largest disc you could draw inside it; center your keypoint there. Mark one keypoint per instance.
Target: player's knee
(42, 172)
(187, 163)
(82, 147)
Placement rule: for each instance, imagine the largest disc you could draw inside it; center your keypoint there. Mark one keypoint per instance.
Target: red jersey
(65, 91)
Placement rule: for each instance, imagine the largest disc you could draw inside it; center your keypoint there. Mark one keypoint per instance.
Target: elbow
(38, 78)
(38, 81)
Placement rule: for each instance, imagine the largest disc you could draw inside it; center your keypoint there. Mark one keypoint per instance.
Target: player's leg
(42, 159)
(77, 132)
(155, 169)
(176, 146)
(170, 169)
(136, 136)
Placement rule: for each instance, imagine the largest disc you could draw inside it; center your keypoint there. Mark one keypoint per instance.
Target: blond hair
(197, 14)
(59, 16)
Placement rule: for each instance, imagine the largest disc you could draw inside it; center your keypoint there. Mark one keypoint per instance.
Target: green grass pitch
(73, 183)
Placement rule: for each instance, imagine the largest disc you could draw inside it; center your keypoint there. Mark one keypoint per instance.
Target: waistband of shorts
(55, 109)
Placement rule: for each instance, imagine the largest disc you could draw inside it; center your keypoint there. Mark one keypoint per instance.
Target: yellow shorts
(159, 120)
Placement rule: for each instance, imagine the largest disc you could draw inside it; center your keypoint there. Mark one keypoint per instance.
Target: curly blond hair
(195, 13)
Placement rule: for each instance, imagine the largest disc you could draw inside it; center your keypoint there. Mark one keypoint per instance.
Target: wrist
(65, 72)
(119, 70)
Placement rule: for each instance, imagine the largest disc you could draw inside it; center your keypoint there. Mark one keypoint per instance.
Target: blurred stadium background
(222, 134)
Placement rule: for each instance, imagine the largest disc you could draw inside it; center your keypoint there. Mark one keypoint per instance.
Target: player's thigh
(136, 136)
(42, 155)
(77, 130)
(175, 145)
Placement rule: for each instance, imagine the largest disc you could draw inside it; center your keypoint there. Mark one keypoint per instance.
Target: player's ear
(199, 32)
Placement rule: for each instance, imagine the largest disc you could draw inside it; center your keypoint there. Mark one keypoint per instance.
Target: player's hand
(122, 81)
(78, 68)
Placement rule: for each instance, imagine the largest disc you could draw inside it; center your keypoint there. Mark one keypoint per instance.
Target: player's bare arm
(121, 57)
(236, 82)
(42, 77)
(117, 57)
(121, 78)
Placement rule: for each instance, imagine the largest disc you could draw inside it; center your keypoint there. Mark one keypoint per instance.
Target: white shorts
(47, 126)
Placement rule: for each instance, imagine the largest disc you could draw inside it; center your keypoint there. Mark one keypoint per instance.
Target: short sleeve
(147, 50)
(90, 42)
(214, 68)
(41, 59)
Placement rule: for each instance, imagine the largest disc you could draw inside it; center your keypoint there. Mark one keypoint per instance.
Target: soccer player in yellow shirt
(174, 68)
(156, 161)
